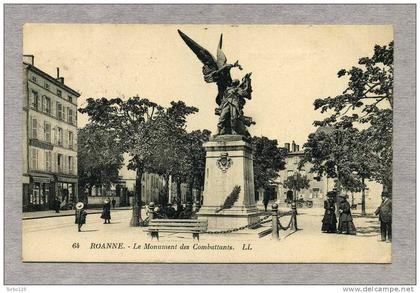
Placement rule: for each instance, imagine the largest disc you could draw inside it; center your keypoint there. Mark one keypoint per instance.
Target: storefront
(66, 191)
(37, 194)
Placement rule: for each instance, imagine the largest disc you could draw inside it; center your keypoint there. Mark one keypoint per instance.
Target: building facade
(152, 189)
(49, 146)
(319, 186)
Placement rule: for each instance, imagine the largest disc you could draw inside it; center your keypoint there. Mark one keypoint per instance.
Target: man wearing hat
(385, 216)
(80, 215)
(329, 222)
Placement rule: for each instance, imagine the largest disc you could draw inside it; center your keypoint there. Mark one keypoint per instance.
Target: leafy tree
(367, 104)
(133, 122)
(197, 160)
(172, 155)
(302, 182)
(99, 158)
(331, 152)
(268, 161)
(342, 154)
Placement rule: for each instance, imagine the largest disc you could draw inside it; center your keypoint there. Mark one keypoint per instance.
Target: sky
(291, 65)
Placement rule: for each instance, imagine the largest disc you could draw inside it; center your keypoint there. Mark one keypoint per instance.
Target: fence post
(274, 220)
(151, 208)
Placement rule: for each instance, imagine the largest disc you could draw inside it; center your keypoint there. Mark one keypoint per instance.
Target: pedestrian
(57, 205)
(113, 203)
(266, 199)
(106, 211)
(187, 212)
(329, 222)
(345, 224)
(179, 209)
(157, 213)
(385, 216)
(80, 215)
(170, 211)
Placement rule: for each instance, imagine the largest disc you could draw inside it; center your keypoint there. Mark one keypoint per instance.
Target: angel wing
(221, 58)
(213, 70)
(205, 56)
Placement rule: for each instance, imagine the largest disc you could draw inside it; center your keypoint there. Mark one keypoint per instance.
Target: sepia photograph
(194, 143)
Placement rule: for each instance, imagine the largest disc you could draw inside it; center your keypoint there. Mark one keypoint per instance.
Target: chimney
(29, 59)
(60, 79)
(293, 146)
(297, 147)
(287, 146)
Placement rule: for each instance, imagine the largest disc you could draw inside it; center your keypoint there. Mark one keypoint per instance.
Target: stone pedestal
(228, 164)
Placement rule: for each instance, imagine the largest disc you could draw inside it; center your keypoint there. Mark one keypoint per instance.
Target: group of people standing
(345, 219)
(171, 211)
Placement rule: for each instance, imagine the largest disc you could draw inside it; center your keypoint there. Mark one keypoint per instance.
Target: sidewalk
(64, 213)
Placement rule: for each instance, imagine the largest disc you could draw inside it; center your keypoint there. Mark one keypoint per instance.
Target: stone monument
(228, 199)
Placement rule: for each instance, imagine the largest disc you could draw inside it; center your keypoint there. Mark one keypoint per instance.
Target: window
(60, 162)
(60, 136)
(48, 161)
(70, 140)
(46, 105)
(64, 113)
(34, 159)
(34, 100)
(55, 135)
(70, 115)
(59, 111)
(59, 93)
(34, 199)
(33, 78)
(70, 99)
(70, 165)
(46, 85)
(34, 128)
(47, 131)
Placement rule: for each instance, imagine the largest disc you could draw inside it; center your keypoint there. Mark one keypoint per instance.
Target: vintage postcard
(207, 143)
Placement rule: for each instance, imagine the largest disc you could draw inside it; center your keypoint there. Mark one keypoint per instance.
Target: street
(57, 239)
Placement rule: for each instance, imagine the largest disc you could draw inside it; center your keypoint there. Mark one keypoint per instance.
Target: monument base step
(228, 219)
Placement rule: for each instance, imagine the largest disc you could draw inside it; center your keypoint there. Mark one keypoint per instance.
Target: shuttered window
(34, 132)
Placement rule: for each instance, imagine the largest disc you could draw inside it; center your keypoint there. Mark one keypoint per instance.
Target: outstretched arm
(245, 88)
(236, 64)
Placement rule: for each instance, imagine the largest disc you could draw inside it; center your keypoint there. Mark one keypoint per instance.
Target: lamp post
(294, 203)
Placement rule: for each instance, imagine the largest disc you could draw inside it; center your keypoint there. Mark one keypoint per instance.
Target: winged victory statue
(232, 93)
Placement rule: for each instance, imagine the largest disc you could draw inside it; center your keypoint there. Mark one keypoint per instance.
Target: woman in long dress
(345, 224)
(329, 222)
(80, 216)
(106, 211)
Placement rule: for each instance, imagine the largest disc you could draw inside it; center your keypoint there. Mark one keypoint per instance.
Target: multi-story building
(318, 186)
(49, 139)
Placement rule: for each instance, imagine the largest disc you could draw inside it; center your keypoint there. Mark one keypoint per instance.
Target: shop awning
(41, 179)
(67, 179)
